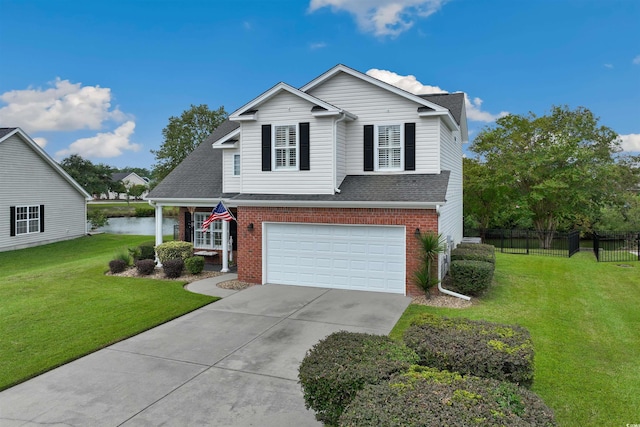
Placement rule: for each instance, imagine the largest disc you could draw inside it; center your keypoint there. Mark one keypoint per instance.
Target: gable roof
(6, 133)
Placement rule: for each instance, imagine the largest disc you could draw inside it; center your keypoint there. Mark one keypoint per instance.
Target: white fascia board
(343, 68)
(347, 114)
(220, 143)
(339, 205)
(236, 115)
(49, 160)
(446, 117)
(246, 117)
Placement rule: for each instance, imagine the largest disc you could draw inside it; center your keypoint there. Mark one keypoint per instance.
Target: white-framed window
(389, 147)
(27, 219)
(285, 147)
(236, 164)
(212, 238)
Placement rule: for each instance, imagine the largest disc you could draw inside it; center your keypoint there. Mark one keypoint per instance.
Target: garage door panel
(336, 256)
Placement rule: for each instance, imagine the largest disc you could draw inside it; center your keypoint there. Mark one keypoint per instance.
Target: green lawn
(57, 304)
(584, 318)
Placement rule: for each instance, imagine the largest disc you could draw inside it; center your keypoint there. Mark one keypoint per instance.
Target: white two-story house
(330, 183)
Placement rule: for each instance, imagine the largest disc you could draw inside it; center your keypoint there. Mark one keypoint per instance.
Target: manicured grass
(584, 319)
(57, 304)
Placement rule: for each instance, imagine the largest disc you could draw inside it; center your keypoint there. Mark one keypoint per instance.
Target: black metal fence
(613, 246)
(530, 242)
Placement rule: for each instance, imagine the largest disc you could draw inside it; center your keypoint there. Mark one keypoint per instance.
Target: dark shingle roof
(425, 188)
(4, 131)
(117, 176)
(453, 102)
(199, 176)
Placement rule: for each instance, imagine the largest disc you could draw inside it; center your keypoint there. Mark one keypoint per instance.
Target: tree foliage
(555, 171)
(183, 134)
(95, 179)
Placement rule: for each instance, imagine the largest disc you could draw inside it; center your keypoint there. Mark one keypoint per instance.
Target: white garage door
(368, 258)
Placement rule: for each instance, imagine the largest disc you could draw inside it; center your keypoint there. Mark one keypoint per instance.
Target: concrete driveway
(231, 363)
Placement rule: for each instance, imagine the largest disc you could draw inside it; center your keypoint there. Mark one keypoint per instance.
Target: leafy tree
(557, 169)
(95, 179)
(118, 188)
(137, 190)
(183, 134)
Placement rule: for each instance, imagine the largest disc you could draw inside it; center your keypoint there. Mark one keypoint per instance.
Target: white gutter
(453, 294)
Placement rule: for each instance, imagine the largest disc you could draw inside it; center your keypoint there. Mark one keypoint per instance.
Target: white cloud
(631, 142)
(64, 106)
(610, 66)
(42, 142)
(411, 84)
(382, 17)
(636, 60)
(103, 145)
(320, 45)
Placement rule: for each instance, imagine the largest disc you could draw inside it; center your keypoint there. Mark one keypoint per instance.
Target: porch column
(225, 246)
(158, 230)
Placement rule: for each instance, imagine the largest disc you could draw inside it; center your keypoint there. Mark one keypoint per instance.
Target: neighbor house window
(27, 219)
(389, 147)
(236, 164)
(210, 239)
(285, 147)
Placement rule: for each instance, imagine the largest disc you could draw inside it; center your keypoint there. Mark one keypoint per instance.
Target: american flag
(219, 212)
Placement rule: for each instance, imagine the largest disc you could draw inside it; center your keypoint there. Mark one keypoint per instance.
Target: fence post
(596, 246)
(638, 240)
(527, 240)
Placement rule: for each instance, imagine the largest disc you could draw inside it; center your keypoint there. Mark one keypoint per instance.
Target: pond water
(139, 226)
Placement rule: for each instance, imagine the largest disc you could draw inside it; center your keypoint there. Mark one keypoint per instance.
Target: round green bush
(476, 347)
(173, 268)
(145, 266)
(147, 251)
(194, 264)
(428, 397)
(117, 266)
(471, 277)
(337, 367)
(174, 250)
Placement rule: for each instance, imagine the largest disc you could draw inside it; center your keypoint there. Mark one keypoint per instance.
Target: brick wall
(250, 241)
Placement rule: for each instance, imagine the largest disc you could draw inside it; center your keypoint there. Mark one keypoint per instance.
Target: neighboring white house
(128, 179)
(330, 183)
(39, 202)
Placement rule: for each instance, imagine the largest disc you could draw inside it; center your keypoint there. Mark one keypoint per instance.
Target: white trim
(233, 165)
(27, 220)
(220, 143)
(274, 166)
(376, 147)
(48, 159)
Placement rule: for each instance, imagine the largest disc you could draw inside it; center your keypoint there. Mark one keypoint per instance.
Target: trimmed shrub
(471, 277)
(147, 251)
(337, 367)
(145, 266)
(117, 266)
(428, 397)
(481, 247)
(174, 250)
(476, 347)
(194, 264)
(473, 255)
(173, 268)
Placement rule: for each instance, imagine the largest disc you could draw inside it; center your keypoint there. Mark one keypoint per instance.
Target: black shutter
(12, 220)
(233, 232)
(409, 146)
(42, 218)
(266, 147)
(368, 147)
(304, 147)
(188, 227)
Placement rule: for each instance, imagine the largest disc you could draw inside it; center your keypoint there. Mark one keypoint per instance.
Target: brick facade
(250, 240)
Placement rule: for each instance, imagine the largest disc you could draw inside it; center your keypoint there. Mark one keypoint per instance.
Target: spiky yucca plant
(431, 246)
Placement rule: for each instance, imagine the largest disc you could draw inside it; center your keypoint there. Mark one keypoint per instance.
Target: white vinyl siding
(285, 145)
(28, 180)
(375, 105)
(286, 108)
(389, 148)
(230, 160)
(27, 219)
(341, 153)
(210, 239)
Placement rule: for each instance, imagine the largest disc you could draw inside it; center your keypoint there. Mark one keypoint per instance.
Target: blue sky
(101, 78)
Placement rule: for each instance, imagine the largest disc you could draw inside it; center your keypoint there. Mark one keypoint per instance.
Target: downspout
(343, 117)
(440, 288)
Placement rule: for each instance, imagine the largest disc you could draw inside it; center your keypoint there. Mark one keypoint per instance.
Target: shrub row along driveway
(233, 362)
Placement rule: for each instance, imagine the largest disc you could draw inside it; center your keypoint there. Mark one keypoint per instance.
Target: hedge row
(429, 397)
(472, 268)
(339, 366)
(476, 347)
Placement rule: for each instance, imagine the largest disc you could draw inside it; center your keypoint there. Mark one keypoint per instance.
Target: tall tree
(183, 134)
(557, 168)
(95, 179)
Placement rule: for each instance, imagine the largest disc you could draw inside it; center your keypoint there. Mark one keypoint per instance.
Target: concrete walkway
(231, 363)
